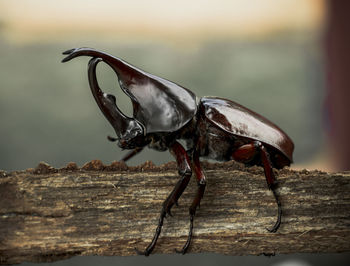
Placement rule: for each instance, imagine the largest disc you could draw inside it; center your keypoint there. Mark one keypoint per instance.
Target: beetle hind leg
(271, 183)
(278, 222)
(185, 172)
(248, 152)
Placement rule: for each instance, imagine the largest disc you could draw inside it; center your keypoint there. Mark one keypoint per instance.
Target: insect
(164, 113)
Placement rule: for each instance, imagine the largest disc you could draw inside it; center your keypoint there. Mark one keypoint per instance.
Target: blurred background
(284, 59)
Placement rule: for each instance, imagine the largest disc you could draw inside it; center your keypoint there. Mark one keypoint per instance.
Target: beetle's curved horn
(159, 105)
(125, 72)
(124, 126)
(75, 52)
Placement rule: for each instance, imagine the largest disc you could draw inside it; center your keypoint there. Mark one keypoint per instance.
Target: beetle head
(159, 105)
(130, 132)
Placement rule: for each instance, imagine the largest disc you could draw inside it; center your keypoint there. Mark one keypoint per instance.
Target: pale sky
(33, 19)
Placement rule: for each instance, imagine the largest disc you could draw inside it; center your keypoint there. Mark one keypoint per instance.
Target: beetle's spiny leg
(192, 211)
(151, 246)
(131, 154)
(278, 222)
(271, 181)
(189, 238)
(196, 201)
(185, 171)
(246, 153)
(168, 203)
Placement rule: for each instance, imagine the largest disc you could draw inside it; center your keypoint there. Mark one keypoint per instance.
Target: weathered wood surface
(48, 214)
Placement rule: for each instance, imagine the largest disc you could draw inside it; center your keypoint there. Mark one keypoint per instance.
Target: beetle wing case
(241, 121)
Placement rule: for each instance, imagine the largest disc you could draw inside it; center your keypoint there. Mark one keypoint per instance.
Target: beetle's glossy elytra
(240, 121)
(164, 112)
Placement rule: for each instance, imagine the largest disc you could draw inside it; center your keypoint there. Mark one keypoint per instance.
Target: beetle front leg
(183, 163)
(196, 201)
(131, 154)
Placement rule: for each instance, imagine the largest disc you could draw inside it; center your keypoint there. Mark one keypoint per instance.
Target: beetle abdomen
(218, 146)
(240, 121)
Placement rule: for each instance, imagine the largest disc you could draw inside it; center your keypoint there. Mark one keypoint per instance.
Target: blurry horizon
(192, 21)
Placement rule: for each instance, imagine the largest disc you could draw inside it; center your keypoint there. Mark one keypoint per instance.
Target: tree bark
(48, 214)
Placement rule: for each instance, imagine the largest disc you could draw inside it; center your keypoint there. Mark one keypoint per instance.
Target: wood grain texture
(48, 214)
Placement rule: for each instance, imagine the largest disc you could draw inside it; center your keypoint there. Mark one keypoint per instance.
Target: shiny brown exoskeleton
(164, 112)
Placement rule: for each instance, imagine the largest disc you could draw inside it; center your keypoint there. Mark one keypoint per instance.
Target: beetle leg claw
(274, 228)
(278, 222)
(144, 253)
(182, 251)
(189, 237)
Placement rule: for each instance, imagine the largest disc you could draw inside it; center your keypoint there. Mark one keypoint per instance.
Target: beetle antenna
(113, 139)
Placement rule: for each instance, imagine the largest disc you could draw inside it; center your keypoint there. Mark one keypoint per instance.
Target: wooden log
(48, 214)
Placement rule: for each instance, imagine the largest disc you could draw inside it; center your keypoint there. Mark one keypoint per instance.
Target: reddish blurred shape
(338, 70)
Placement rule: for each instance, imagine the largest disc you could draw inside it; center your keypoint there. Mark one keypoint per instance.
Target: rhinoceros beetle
(212, 127)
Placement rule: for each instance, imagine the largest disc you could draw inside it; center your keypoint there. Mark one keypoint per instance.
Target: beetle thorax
(158, 143)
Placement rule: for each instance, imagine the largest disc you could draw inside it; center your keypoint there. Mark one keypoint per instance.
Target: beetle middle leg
(247, 152)
(196, 201)
(183, 163)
